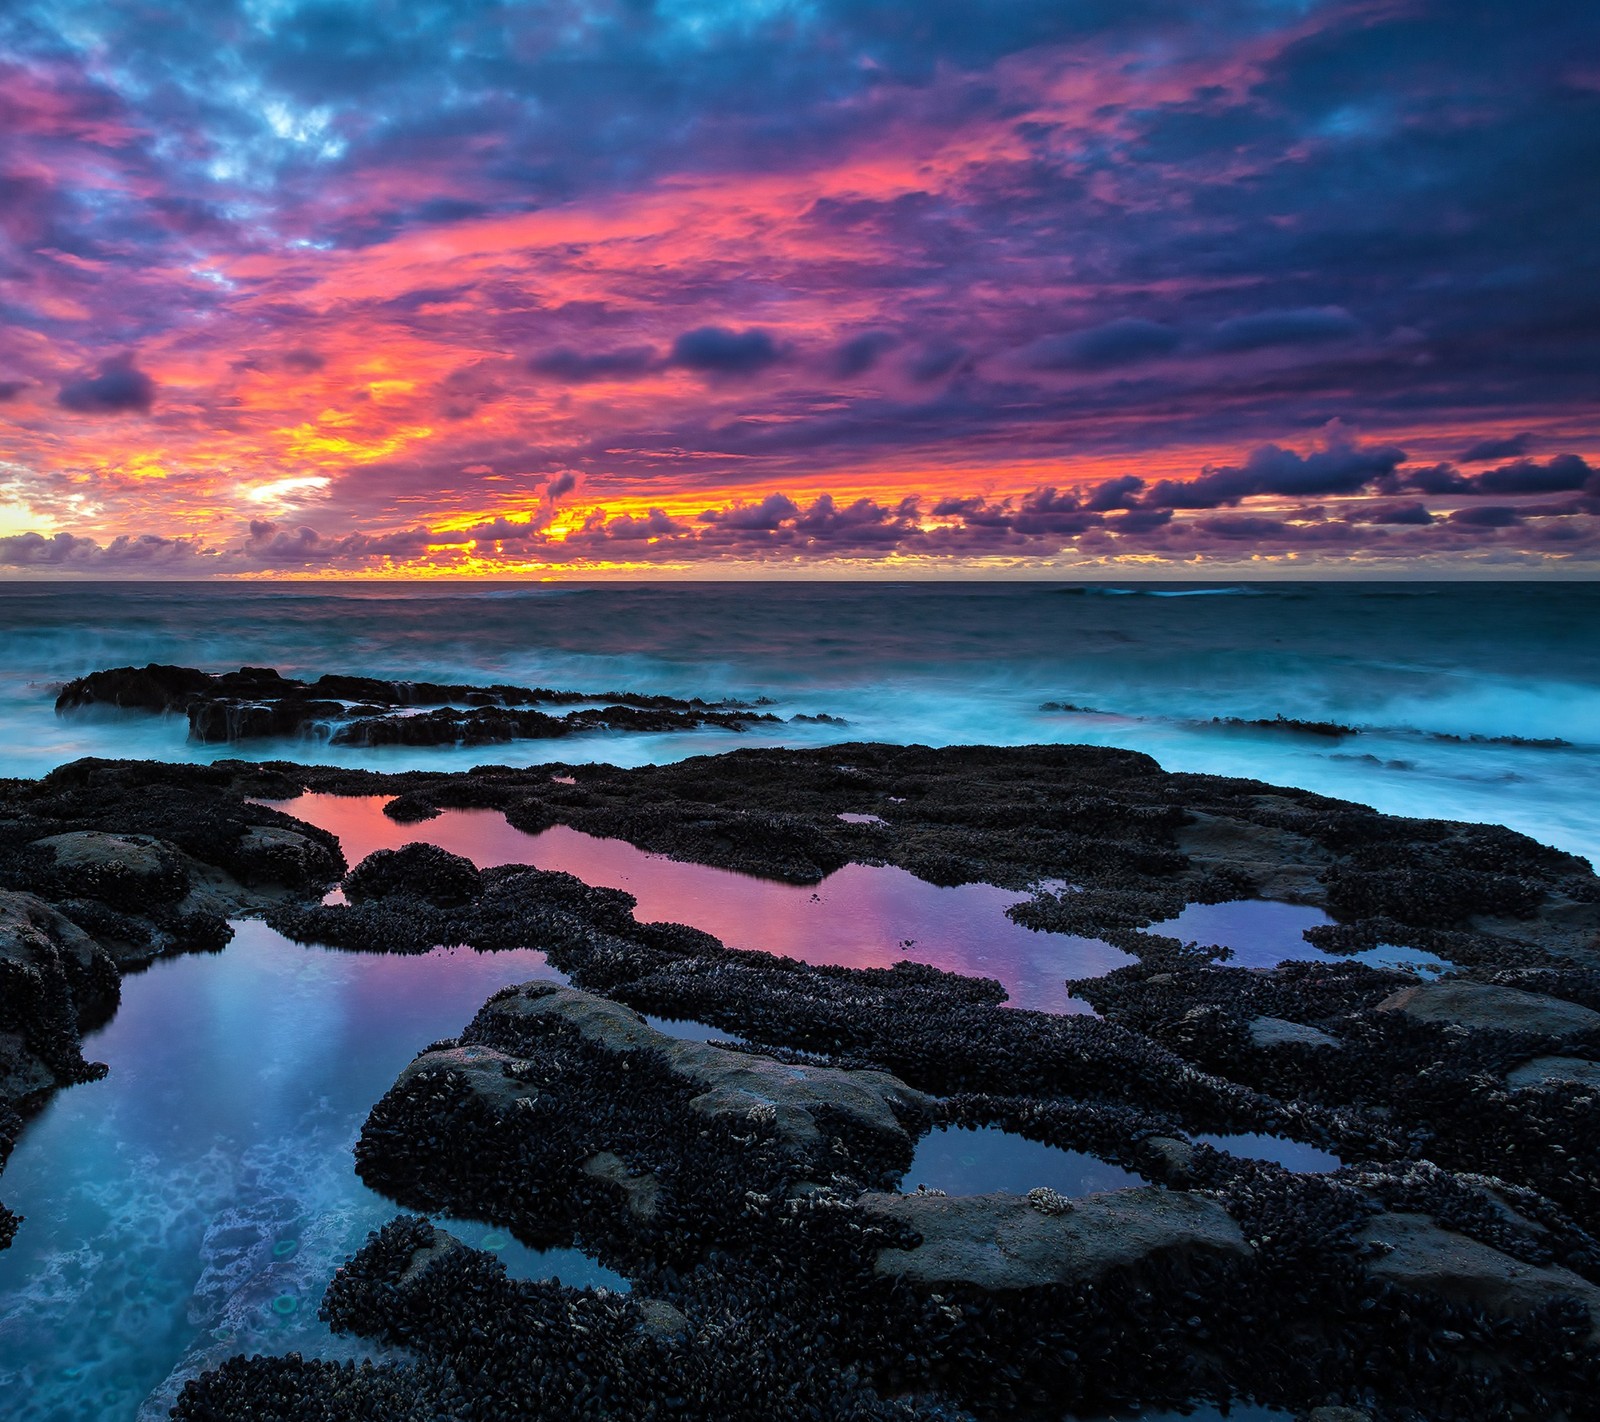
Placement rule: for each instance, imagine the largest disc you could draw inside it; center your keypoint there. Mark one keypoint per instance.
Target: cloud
(10, 389)
(1118, 493)
(1342, 467)
(72, 552)
(1486, 516)
(935, 361)
(347, 243)
(719, 351)
(118, 387)
(560, 485)
(1561, 474)
(859, 354)
(766, 517)
(1485, 450)
(1127, 340)
(580, 367)
(303, 360)
(1307, 325)
(1398, 514)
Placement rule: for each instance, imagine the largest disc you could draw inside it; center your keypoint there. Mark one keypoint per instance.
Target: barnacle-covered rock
(1415, 1253)
(1001, 1242)
(1461, 1003)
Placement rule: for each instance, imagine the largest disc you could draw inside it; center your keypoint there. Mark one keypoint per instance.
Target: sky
(799, 287)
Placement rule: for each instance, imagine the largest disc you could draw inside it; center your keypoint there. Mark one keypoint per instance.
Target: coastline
(1388, 1072)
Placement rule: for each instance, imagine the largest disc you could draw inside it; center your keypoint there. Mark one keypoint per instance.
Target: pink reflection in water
(862, 916)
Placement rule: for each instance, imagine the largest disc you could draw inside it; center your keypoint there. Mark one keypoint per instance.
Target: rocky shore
(256, 703)
(750, 1191)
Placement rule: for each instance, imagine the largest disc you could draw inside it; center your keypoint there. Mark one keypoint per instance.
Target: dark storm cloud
(576, 367)
(73, 553)
(1124, 341)
(1486, 516)
(1562, 473)
(117, 387)
(1486, 450)
(1416, 514)
(719, 351)
(1118, 493)
(1342, 468)
(1559, 475)
(1264, 329)
(860, 353)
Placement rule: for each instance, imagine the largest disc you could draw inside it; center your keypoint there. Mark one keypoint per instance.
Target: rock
(1000, 1242)
(1268, 1032)
(271, 855)
(1173, 1157)
(1338, 1414)
(1430, 1260)
(1554, 1071)
(640, 1191)
(1278, 863)
(730, 1084)
(1484, 1006)
(661, 1320)
(54, 981)
(133, 868)
(422, 871)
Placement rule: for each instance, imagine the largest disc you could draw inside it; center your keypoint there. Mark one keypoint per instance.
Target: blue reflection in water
(1297, 1156)
(1261, 932)
(569, 1266)
(978, 1160)
(195, 1203)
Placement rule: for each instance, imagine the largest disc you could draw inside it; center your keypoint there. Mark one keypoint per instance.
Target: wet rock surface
(1001, 1242)
(255, 703)
(1447, 1271)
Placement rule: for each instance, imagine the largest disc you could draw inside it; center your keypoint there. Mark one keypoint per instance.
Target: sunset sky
(765, 287)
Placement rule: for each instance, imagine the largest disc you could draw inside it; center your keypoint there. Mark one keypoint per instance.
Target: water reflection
(564, 1266)
(979, 1160)
(195, 1202)
(1264, 932)
(1297, 1156)
(1261, 932)
(862, 916)
(686, 1029)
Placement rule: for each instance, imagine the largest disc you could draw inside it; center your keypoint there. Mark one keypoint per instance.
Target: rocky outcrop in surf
(256, 703)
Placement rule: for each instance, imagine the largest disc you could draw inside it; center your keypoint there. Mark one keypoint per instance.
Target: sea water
(194, 1203)
(1421, 668)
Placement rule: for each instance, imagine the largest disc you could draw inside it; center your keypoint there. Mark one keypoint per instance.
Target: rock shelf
(748, 1191)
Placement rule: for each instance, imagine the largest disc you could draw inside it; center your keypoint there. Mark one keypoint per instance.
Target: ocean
(1460, 691)
(194, 1203)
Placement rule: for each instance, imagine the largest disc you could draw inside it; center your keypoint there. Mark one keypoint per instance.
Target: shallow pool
(1297, 1156)
(861, 916)
(1265, 932)
(979, 1160)
(195, 1203)
(563, 1266)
